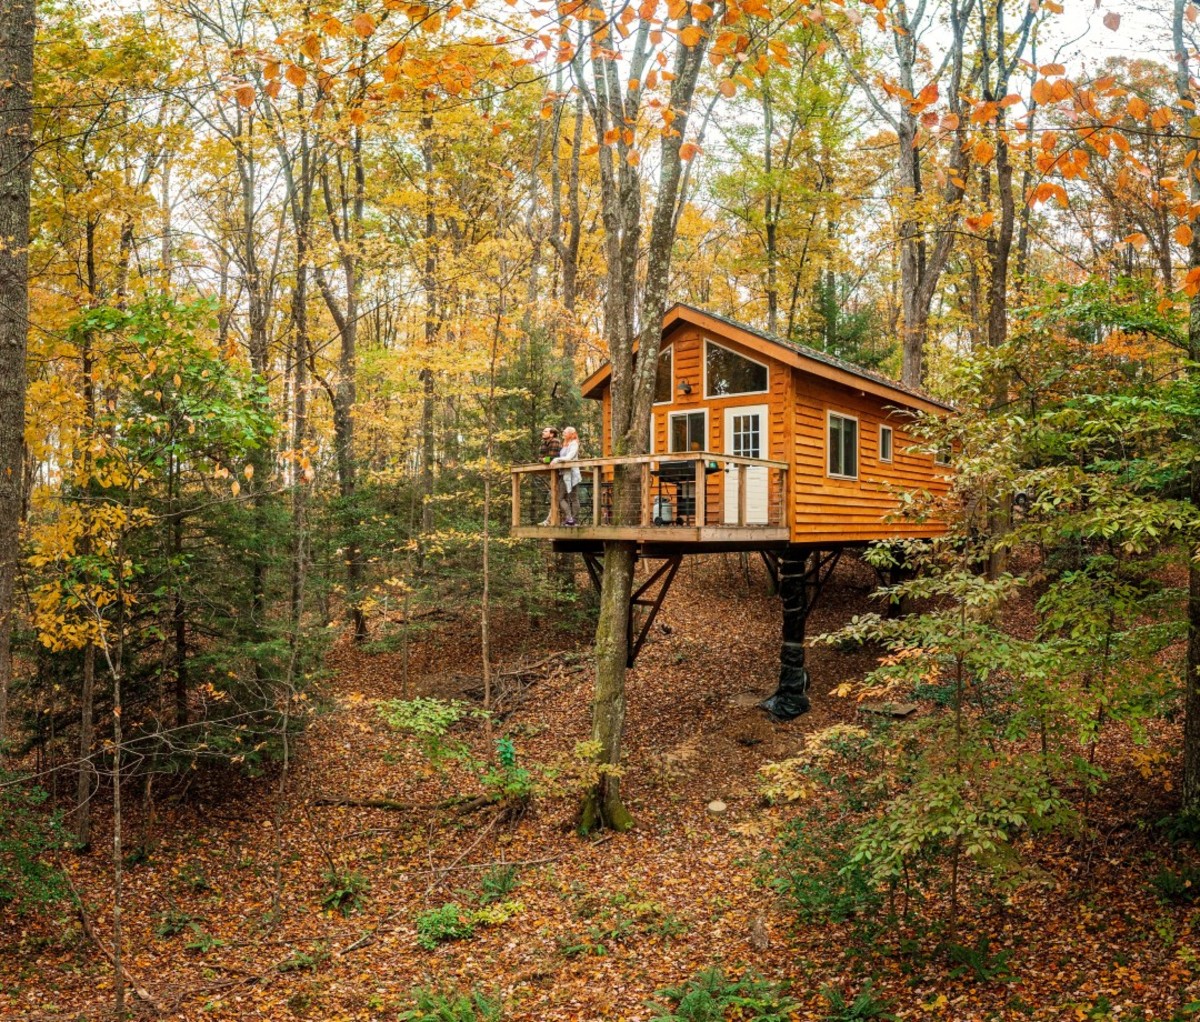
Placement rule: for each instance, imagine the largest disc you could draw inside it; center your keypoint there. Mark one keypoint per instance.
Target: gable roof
(809, 360)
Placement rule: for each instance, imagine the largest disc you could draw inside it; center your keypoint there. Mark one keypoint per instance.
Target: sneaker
(570, 521)
(544, 521)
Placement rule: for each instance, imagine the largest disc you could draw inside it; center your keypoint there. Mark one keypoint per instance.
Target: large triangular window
(726, 373)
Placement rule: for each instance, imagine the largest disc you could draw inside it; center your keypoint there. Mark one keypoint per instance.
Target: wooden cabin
(757, 443)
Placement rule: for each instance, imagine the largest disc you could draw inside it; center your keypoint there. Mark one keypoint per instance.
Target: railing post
(555, 511)
(701, 485)
(741, 478)
(646, 517)
(516, 500)
(595, 494)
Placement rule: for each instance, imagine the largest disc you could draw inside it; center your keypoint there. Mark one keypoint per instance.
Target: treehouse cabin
(756, 444)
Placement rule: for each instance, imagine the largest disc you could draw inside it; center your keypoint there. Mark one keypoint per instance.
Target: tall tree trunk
(632, 387)
(429, 282)
(17, 29)
(1191, 727)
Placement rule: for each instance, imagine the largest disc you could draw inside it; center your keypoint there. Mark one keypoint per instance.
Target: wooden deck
(694, 501)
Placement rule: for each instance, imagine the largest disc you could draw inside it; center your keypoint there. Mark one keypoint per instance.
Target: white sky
(1145, 31)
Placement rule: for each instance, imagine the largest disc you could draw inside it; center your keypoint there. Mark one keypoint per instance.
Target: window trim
(671, 416)
(668, 350)
(891, 444)
(741, 393)
(829, 415)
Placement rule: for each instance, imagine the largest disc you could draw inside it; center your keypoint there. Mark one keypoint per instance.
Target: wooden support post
(595, 494)
(516, 500)
(646, 498)
(555, 510)
(741, 478)
(701, 485)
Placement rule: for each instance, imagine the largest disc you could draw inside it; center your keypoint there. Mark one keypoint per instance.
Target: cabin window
(942, 455)
(885, 443)
(664, 379)
(689, 431)
(726, 373)
(843, 446)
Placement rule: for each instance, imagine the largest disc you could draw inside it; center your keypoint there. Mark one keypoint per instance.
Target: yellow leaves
(364, 26)
(1184, 234)
(235, 487)
(311, 47)
(691, 35)
(358, 116)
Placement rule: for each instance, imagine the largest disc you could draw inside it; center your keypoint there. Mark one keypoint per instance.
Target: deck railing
(697, 489)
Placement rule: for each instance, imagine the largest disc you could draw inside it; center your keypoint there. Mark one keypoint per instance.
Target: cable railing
(696, 489)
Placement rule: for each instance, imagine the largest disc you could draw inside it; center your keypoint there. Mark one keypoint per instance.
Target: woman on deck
(568, 481)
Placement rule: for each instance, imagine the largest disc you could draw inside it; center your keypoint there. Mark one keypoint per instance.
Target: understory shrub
(711, 996)
(452, 1006)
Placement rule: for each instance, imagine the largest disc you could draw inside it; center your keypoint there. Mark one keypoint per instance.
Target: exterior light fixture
(685, 387)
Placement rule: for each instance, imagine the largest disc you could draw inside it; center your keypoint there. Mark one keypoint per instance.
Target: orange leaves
(296, 76)
(1161, 118)
(1048, 190)
(1051, 70)
(980, 223)
(1184, 234)
(245, 95)
(1191, 283)
(691, 35)
(727, 89)
(1043, 92)
(311, 47)
(701, 12)
(364, 26)
(688, 150)
(982, 151)
(1112, 21)
(1137, 239)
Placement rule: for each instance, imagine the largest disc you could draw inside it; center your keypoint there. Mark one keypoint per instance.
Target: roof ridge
(816, 354)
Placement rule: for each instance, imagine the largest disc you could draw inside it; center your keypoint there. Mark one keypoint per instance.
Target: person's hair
(570, 429)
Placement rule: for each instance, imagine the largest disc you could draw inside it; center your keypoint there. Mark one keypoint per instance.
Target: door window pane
(843, 445)
(747, 436)
(729, 373)
(688, 432)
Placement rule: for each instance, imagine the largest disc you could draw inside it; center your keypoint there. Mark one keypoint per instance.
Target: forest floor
(595, 926)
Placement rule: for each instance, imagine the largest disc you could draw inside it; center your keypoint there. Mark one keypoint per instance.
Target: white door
(746, 437)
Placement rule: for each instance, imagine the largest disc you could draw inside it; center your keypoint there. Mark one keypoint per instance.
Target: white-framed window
(687, 431)
(664, 378)
(885, 443)
(843, 446)
(727, 373)
(941, 456)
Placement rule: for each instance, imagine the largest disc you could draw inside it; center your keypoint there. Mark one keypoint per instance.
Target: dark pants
(568, 500)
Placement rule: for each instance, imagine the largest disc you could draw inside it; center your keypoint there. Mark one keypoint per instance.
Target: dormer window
(727, 373)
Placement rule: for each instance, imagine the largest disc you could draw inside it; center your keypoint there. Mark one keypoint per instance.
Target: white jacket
(569, 452)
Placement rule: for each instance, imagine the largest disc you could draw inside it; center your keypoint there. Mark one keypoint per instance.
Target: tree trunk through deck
(603, 805)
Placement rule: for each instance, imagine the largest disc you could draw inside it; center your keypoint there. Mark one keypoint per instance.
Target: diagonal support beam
(663, 576)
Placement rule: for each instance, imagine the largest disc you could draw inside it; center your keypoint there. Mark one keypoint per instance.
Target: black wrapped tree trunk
(791, 698)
